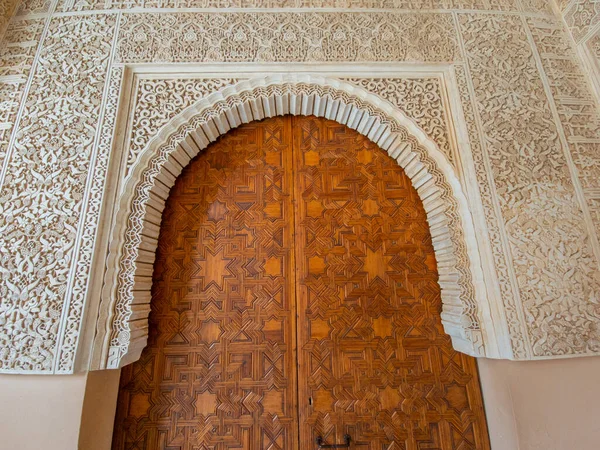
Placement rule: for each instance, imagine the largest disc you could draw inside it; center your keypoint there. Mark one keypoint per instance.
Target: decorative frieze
(286, 37)
(486, 5)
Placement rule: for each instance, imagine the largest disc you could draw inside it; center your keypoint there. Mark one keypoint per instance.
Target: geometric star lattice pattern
(295, 295)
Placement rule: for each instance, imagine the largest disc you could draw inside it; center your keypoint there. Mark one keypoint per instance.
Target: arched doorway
(295, 296)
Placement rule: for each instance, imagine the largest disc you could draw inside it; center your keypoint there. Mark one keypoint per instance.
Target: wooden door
(297, 233)
(374, 361)
(219, 371)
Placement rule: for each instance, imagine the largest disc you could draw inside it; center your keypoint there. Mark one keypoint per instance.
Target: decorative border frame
(121, 332)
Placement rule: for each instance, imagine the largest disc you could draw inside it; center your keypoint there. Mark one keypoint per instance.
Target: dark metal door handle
(346, 444)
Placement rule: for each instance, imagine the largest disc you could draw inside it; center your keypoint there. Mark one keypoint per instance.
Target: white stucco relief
(529, 168)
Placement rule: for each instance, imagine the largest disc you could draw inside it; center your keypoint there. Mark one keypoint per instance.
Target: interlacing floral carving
(556, 272)
(581, 16)
(7, 9)
(492, 5)
(575, 105)
(42, 195)
(420, 99)
(485, 178)
(16, 59)
(286, 37)
(89, 227)
(159, 100)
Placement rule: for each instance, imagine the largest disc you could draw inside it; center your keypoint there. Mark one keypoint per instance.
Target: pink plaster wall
(530, 405)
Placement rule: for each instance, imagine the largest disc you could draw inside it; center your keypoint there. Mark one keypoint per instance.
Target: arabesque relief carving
(44, 188)
(555, 269)
(420, 99)
(527, 110)
(286, 37)
(159, 100)
(581, 16)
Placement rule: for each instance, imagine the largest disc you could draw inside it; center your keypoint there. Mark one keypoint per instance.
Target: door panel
(297, 232)
(374, 361)
(219, 371)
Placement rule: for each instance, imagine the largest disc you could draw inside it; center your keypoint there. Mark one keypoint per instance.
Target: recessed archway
(122, 323)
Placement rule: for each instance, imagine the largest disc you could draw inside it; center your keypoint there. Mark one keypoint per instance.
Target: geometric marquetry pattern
(297, 215)
(219, 371)
(374, 358)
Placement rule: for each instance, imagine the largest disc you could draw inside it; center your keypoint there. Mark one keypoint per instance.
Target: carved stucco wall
(582, 18)
(531, 129)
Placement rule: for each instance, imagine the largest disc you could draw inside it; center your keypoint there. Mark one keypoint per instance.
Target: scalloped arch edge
(122, 324)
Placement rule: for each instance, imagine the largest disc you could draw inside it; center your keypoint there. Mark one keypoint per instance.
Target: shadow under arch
(122, 325)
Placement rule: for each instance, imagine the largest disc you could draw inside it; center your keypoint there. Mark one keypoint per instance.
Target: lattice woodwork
(297, 216)
(219, 371)
(374, 361)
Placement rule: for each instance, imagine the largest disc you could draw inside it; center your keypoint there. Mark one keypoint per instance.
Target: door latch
(346, 444)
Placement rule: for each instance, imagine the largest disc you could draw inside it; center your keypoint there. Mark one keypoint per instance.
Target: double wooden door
(295, 297)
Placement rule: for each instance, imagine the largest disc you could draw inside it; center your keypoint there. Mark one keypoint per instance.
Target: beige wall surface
(98, 415)
(530, 405)
(58, 413)
(40, 412)
(542, 405)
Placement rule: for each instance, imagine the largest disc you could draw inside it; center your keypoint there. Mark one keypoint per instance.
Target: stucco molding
(123, 316)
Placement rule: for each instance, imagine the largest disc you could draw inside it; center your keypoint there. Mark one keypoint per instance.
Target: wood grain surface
(297, 233)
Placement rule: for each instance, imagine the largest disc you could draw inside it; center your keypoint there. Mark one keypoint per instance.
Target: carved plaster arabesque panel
(421, 100)
(563, 4)
(555, 268)
(501, 276)
(157, 100)
(16, 59)
(27, 7)
(7, 9)
(88, 233)
(577, 111)
(286, 37)
(581, 16)
(589, 51)
(44, 189)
